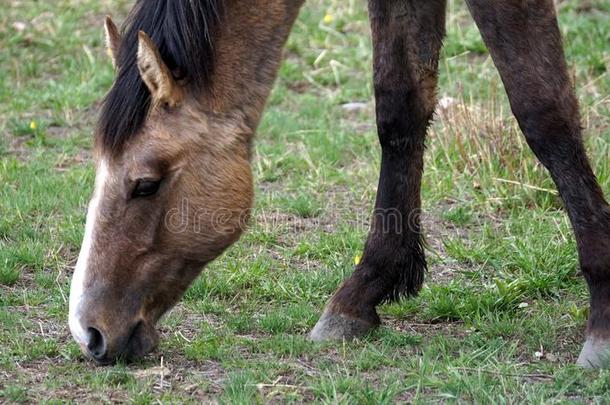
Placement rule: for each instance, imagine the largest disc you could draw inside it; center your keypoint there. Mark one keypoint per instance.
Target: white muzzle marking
(77, 288)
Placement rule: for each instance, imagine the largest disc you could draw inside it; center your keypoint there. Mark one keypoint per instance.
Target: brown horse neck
(248, 55)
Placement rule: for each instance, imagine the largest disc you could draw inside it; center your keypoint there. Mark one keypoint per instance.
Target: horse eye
(145, 188)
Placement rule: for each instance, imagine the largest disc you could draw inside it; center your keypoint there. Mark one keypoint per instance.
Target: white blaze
(77, 288)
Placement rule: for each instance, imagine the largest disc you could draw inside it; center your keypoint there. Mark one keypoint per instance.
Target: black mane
(182, 30)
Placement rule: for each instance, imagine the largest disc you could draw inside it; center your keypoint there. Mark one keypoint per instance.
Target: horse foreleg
(525, 44)
(407, 37)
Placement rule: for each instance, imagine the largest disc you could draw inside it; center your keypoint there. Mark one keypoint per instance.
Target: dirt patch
(21, 145)
(438, 230)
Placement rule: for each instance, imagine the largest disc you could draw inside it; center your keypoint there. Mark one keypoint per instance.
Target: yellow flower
(357, 260)
(33, 125)
(328, 18)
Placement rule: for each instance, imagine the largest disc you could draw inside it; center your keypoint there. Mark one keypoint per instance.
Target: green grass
(500, 319)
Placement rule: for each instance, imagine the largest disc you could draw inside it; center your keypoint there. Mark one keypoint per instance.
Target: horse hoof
(339, 327)
(595, 354)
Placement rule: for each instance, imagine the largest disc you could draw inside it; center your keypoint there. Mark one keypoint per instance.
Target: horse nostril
(97, 344)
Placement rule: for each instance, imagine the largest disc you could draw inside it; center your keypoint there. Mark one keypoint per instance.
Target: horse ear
(155, 73)
(113, 39)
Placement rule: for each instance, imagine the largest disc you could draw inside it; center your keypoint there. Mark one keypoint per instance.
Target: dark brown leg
(525, 44)
(407, 38)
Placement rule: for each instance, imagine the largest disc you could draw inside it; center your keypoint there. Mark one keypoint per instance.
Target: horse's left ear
(113, 39)
(155, 73)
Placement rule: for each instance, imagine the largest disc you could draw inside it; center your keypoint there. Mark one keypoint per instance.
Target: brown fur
(247, 56)
(141, 266)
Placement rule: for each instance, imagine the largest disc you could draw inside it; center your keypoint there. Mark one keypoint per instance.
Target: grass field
(500, 319)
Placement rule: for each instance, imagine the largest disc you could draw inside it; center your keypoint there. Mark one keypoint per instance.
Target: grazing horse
(177, 125)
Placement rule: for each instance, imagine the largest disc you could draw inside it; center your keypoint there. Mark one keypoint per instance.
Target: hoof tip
(338, 327)
(595, 354)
